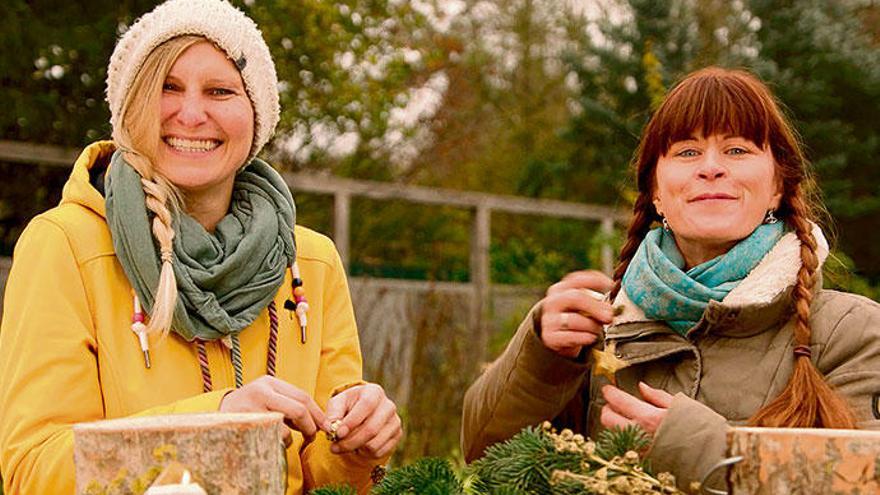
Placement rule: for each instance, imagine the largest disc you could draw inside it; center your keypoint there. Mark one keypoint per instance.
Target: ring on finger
(564, 321)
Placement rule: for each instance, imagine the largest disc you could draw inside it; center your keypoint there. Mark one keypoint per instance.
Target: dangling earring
(770, 218)
(666, 225)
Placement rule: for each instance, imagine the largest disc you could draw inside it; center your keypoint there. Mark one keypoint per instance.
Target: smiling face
(207, 122)
(715, 191)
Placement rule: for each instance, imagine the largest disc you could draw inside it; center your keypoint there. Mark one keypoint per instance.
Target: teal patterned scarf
(224, 278)
(656, 283)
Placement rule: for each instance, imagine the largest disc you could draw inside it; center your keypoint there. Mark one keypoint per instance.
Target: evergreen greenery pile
(537, 461)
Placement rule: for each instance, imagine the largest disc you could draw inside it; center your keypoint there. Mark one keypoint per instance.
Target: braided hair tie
(803, 350)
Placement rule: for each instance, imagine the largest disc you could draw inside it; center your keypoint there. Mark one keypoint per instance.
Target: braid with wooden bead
(807, 401)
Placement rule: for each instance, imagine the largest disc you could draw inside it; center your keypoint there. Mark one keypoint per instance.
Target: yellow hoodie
(68, 355)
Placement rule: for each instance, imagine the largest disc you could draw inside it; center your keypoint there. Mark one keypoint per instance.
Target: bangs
(714, 103)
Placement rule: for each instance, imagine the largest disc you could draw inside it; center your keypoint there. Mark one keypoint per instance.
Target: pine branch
(616, 442)
(334, 490)
(428, 476)
(525, 464)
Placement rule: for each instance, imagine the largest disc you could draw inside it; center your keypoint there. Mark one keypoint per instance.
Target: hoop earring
(770, 218)
(666, 225)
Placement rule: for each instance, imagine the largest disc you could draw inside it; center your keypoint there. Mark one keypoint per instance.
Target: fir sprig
(618, 441)
(429, 476)
(334, 490)
(536, 461)
(524, 463)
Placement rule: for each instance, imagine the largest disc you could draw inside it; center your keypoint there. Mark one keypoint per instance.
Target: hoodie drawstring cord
(300, 308)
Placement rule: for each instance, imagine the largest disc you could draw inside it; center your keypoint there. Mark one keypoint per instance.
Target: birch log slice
(804, 461)
(226, 453)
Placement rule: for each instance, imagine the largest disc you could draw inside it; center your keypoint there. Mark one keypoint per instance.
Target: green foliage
(428, 476)
(822, 60)
(537, 461)
(522, 464)
(840, 273)
(334, 490)
(613, 443)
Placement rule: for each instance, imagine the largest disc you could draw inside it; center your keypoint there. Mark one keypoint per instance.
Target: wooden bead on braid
(803, 350)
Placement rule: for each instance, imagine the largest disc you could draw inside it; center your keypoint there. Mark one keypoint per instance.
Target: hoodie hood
(79, 189)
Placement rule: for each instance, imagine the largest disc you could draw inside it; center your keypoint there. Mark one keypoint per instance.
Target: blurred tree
(349, 71)
(630, 52)
(821, 57)
(506, 99)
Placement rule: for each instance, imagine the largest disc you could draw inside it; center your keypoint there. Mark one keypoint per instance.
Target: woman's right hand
(268, 393)
(571, 316)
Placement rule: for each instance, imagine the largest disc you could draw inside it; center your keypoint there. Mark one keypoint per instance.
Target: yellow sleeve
(48, 365)
(340, 368)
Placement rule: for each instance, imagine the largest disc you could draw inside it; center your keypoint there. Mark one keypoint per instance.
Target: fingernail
(335, 448)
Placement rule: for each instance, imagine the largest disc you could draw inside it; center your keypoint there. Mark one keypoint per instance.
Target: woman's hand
(571, 316)
(268, 393)
(369, 421)
(623, 409)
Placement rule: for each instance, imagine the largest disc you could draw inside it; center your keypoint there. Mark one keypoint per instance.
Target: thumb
(655, 396)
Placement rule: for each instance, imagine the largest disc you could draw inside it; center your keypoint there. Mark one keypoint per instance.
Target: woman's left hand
(623, 409)
(369, 421)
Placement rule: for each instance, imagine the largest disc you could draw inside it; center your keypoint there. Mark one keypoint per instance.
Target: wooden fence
(481, 206)
(415, 338)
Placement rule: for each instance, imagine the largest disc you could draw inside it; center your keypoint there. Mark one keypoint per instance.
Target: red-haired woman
(724, 319)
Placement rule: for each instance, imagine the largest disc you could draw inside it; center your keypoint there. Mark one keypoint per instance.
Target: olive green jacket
(734, 361)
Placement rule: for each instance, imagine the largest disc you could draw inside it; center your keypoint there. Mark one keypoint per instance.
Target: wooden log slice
(226, 453)
(804, 461)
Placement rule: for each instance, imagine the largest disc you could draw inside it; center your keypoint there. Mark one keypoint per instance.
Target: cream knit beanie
(229, 28)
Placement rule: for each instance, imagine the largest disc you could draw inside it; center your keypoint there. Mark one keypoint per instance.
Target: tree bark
(804, 461)
(226, 453)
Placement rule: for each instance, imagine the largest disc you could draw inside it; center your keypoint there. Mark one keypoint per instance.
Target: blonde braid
(807, 401)
(158, 195)
(138, 136)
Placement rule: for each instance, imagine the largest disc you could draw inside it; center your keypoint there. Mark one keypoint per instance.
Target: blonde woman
(722, 316)
(171, 277)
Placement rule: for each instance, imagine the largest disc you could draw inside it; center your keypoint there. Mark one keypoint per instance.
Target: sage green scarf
(224, 279)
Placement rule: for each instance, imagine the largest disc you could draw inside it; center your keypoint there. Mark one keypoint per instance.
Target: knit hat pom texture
(229, 28)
